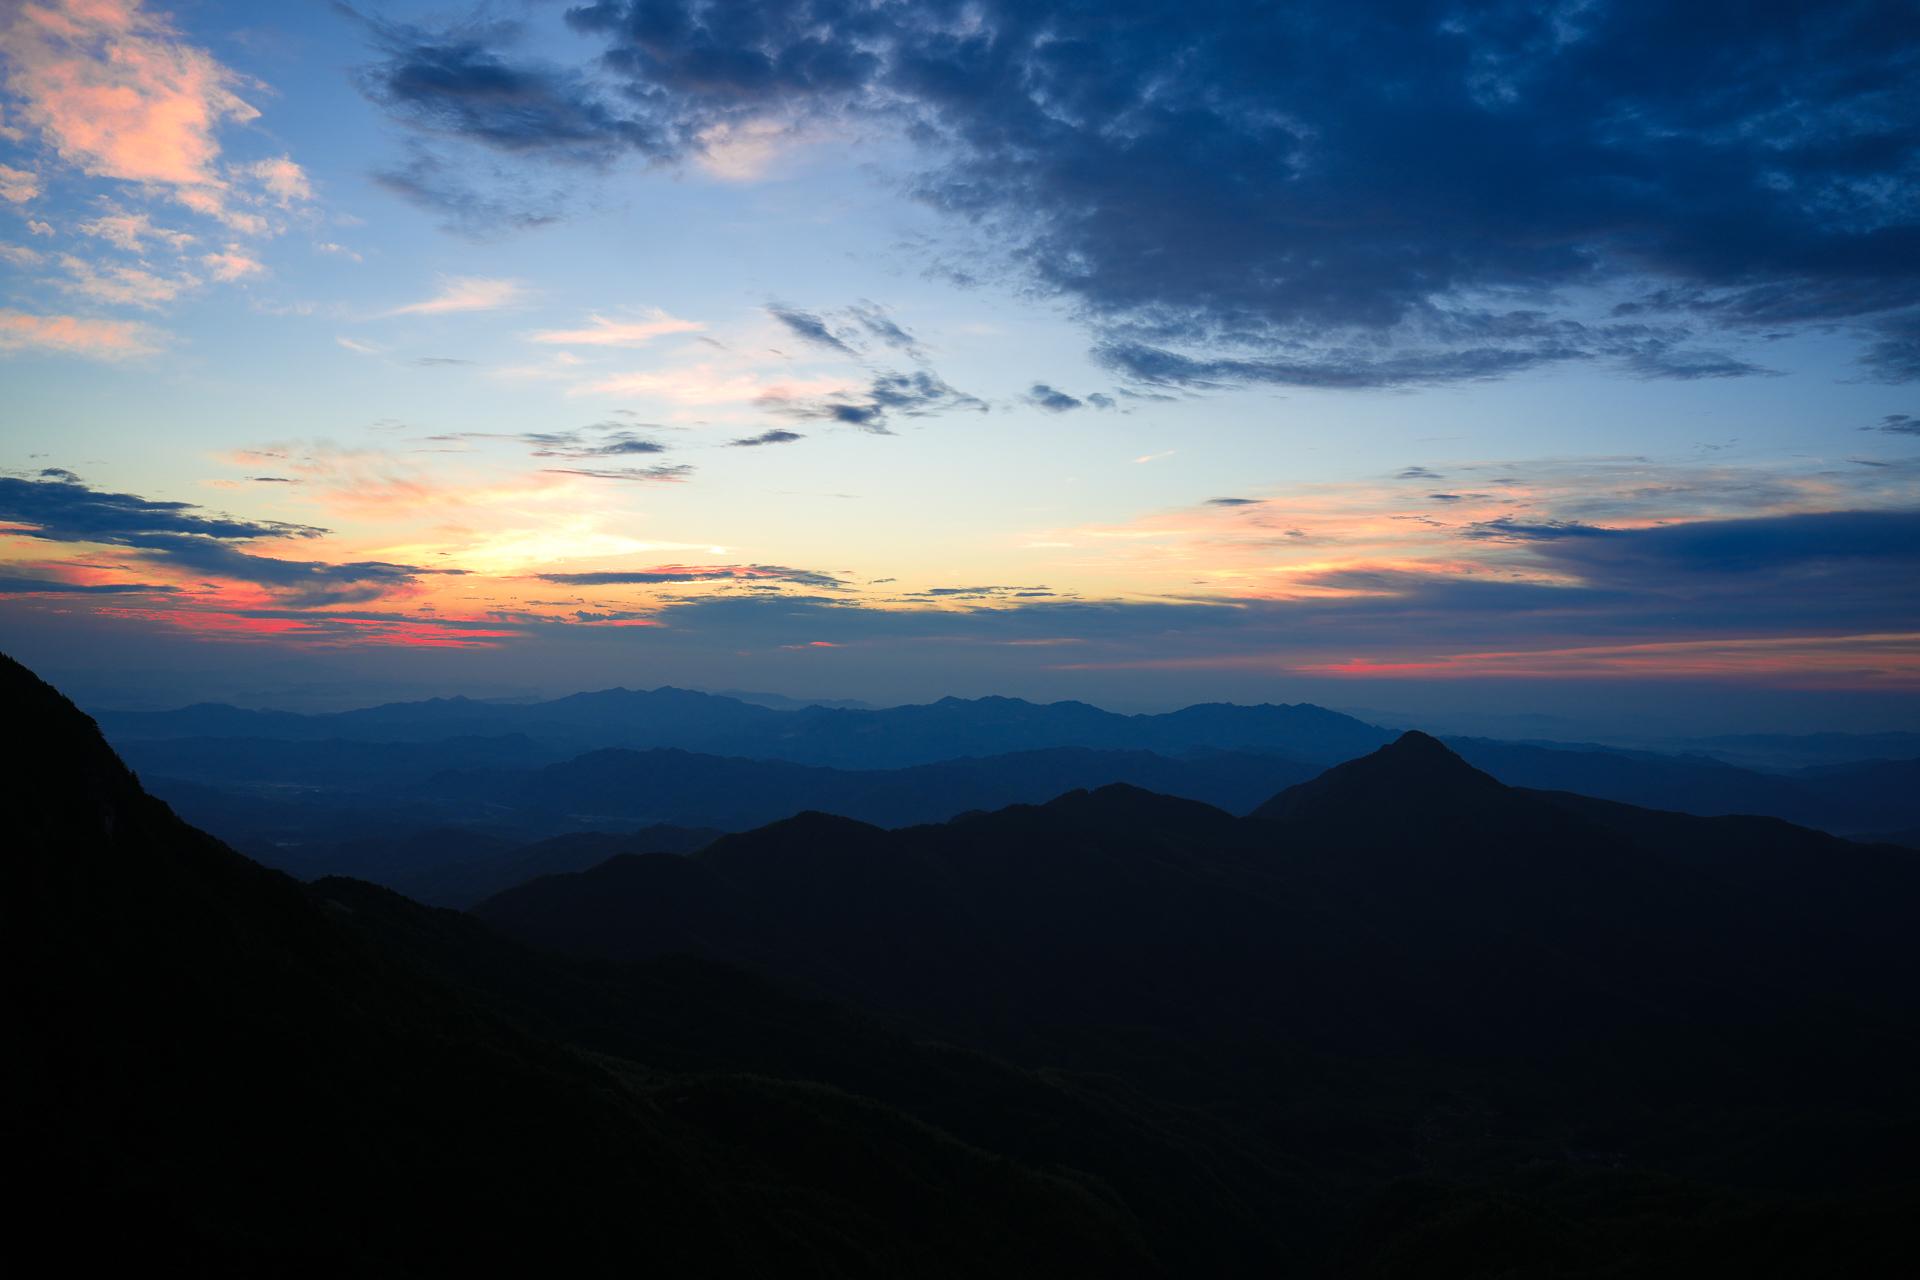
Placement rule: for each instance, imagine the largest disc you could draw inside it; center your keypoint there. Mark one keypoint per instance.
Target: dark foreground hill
(1485, 1031)
(211, 1070)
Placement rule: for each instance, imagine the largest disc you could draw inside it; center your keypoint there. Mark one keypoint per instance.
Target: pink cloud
(602, 331)
(118, 93)
(232, 263)
(74, 335)
(17, 186)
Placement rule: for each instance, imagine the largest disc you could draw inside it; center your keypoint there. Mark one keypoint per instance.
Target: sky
(1489, 360)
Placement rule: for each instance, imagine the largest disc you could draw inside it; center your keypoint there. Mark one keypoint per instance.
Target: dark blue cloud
(601, 440)
(47, 586)
(1042, 396)
(772, 436)
(696, 573)
(1512, 529)
(808, 327)
(60, 508)
(1829, 543)
(872, 317)
(63, 509)
(887, 394)
(665, 473)
(459, 83)
(1316, 194)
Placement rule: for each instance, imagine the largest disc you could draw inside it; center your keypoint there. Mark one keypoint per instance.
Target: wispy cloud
(657, 575)
(607, 331)
(132, 231)
(465, 293)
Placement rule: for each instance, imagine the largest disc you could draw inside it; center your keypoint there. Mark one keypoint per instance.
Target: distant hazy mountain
(733, 794)
(1805, 750)
(387, 811)
(891, 737)
(781, 702)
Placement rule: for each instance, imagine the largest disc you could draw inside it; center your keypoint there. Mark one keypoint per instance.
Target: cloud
(809, 327)
(1233, 502)
(232, 263)
(282, 180)
(1904, 424)
(453, 84)
(48, 587)
(17, 186)
(465, 293)
(601, 331)
(664, 474)
(887, 394)
(1230, 201)
(1417, 473)
(1042, 396)
(772, 436)
(75, 335)
(1509, 529)
(453, 193)
(21, 256)
(131, 231)
(59, 507)
(63, 509)
(602, 440)
(872, 317)
(116, 92)
(672, 573)
(125, 286)
(1708, 553)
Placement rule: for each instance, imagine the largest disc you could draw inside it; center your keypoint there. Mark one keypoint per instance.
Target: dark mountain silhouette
(213, 1071)
(1537, 1006)
(466, 879)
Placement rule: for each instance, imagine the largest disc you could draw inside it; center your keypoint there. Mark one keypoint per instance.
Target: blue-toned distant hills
(436, 783)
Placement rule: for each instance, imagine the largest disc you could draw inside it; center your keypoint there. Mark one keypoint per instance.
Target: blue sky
(1394, 355)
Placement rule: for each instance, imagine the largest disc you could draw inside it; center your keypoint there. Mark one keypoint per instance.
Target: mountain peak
(1415, 774)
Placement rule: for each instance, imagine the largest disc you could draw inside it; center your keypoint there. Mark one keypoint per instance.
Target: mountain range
(1400, 1019)
(505, 775)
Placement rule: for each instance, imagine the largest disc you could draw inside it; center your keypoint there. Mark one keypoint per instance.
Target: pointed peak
(1415, 745)
(1415, 772)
